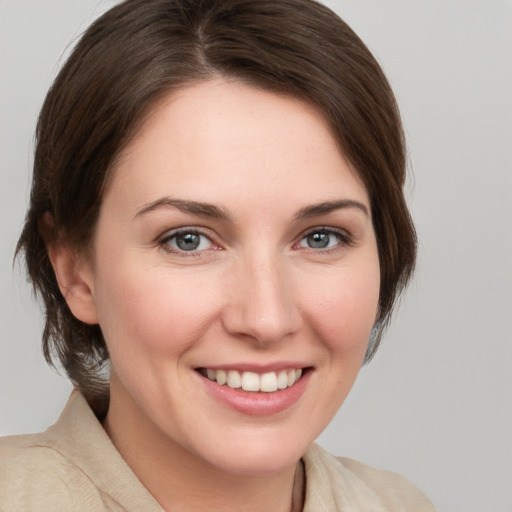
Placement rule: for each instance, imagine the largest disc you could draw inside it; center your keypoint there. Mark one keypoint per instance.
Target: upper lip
(257, 368)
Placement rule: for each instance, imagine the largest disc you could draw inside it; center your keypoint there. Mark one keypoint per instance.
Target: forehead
(217, 139)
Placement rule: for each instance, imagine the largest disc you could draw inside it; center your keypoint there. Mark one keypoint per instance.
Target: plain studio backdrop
(436, 402)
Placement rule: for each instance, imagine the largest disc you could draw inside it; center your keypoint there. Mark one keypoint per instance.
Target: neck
(181, 481)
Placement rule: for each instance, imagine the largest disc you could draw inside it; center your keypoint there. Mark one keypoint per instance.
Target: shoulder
(357, 486)
(71, 467)
(33, 473)
(392, 488)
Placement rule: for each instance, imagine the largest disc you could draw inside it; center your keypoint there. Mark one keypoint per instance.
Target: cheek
(344, 308)
(143, 314)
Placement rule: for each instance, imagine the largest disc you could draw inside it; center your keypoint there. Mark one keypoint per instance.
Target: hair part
(141, 50)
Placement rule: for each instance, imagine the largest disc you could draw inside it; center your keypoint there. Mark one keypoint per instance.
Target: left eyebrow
(192, 207)
(329, 206)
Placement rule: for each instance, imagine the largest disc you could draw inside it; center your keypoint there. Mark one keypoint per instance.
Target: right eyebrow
(193, 207)
(329, 206)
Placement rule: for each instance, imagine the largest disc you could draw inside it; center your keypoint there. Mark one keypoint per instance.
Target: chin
(262, 453)
(256, 462)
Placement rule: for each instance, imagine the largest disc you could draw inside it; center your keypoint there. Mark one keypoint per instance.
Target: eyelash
(344, 240)
(173, 235)
(343, 237)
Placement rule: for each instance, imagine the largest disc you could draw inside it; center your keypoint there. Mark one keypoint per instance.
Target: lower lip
(258, 403)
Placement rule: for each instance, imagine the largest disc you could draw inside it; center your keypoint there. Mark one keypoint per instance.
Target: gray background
(436, 403)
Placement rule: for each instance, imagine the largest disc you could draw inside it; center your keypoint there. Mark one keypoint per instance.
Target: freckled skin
(255, 292)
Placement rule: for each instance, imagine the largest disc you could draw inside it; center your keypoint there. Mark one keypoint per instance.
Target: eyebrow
(328, 207)
(211, 211)
(193, 207)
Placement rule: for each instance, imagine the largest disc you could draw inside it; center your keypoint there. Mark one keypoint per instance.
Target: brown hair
(142, 49)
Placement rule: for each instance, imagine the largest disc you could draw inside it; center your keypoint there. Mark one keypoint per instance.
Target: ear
(76, 281)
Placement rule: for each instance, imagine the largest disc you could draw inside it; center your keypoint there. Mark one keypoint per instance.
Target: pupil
(318, 240)
(188, 241)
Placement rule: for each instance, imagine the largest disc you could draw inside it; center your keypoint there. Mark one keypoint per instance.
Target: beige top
(74, 466)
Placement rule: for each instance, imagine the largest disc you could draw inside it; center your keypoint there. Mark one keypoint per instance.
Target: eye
(186, 240)
(324, 238)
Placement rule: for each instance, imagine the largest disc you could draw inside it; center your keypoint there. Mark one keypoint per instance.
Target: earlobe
(75, 279)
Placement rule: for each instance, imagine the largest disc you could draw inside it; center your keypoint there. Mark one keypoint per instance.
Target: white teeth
(268, 382)
(222, 377)
(251, 381)
(282, 379)
(234, 379)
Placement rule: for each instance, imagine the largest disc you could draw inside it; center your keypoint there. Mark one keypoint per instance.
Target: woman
(218, 232)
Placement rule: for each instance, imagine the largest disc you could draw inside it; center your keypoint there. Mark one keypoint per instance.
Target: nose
(262, 303)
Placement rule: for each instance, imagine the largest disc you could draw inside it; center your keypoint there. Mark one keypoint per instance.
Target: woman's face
(234, 242)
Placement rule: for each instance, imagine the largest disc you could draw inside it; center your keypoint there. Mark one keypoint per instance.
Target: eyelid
(163, 240)
(344, 237)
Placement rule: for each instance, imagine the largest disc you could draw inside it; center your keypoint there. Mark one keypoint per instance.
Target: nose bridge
(264, 306)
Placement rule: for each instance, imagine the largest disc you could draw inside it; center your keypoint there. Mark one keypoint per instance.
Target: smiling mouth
(250, 381)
